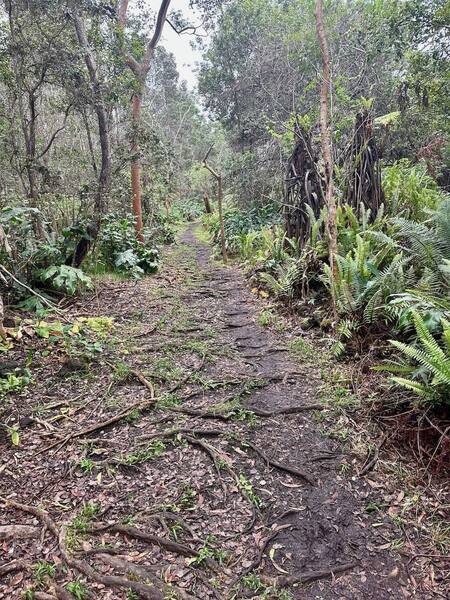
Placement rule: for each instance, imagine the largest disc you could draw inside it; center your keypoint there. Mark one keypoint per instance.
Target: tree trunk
(104, 179)
(140, 71)
(326, 138)
(136, 166)
(208, 208)
(222, 227)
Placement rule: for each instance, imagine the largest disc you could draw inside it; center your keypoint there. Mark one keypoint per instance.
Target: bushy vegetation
(392, 279)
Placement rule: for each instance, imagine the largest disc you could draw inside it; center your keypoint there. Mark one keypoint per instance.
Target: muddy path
(187, 460)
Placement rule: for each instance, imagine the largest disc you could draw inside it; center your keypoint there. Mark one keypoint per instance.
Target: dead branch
(140, 377)
(141, 405)
(371, 462)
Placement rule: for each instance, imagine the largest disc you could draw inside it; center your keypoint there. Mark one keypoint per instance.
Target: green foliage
(65, 279)
(151, 451)
(120, 250)
(247, 489)
(430, 368)
(43, 570)
(409, 189)
(77, 589)
(15, 382)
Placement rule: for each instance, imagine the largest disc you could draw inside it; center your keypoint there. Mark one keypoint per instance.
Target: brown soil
(254, 494)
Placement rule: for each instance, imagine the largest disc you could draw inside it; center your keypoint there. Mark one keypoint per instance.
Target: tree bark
(218, 178)
(326, 138)
(136, 168)
(140, 71)
(104, 178)
(208, 208)
(4, 245)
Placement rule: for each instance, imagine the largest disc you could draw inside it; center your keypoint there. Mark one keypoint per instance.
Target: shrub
(408, 188)
(121, 251)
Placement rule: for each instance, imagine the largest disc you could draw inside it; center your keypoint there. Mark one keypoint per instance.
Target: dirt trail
(229, 467)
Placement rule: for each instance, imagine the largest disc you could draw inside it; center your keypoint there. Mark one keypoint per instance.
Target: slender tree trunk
(222, 227)
(104, 179)
(140, 71)
(208, 208)
(136, 168)
(326, 138)
(4, 245)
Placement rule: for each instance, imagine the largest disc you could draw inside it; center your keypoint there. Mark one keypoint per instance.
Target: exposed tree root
(147, 537)
(308, 576)
(257, 561)
(145, 591)
(141, 405)
(289, 410)
(18, 532)
(14, 565)
(227, 416)
(279, 465)
(181, 430)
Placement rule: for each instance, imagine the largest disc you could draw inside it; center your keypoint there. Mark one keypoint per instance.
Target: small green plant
(121, 372)
(131, 595)
(167, 401)
(133, 416)
(186, 501)
(440, 534)
(86, 465)
(153, 450)
(246, 487)
(266, 317)
(301, 348)
(344, 468)
(207, 552)
(253, 583)
(15, 382)
(66, 279)
(102, 326)
(431, 363)
(77, 589)
(81, 524)
(43, 570)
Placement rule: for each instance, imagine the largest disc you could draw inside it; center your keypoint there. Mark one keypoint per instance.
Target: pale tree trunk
(140, 71)
(326, 138)
(218, 178)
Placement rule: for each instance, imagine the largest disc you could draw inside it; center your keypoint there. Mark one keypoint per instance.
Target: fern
(430, 361)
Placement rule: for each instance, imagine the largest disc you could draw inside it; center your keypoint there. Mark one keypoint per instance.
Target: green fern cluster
(430, 368)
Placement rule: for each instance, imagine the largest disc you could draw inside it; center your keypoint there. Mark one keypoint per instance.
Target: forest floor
(194, 457)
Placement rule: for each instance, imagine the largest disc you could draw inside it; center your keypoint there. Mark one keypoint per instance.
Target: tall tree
(104, 177)
(140, 70)
(326, 137)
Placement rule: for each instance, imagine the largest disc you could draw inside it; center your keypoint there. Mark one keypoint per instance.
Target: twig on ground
(371, 462)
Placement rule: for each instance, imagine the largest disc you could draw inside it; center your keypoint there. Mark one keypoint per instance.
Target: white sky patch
(180, 45)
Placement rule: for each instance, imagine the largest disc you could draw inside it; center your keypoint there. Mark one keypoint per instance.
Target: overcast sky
(180, 45)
